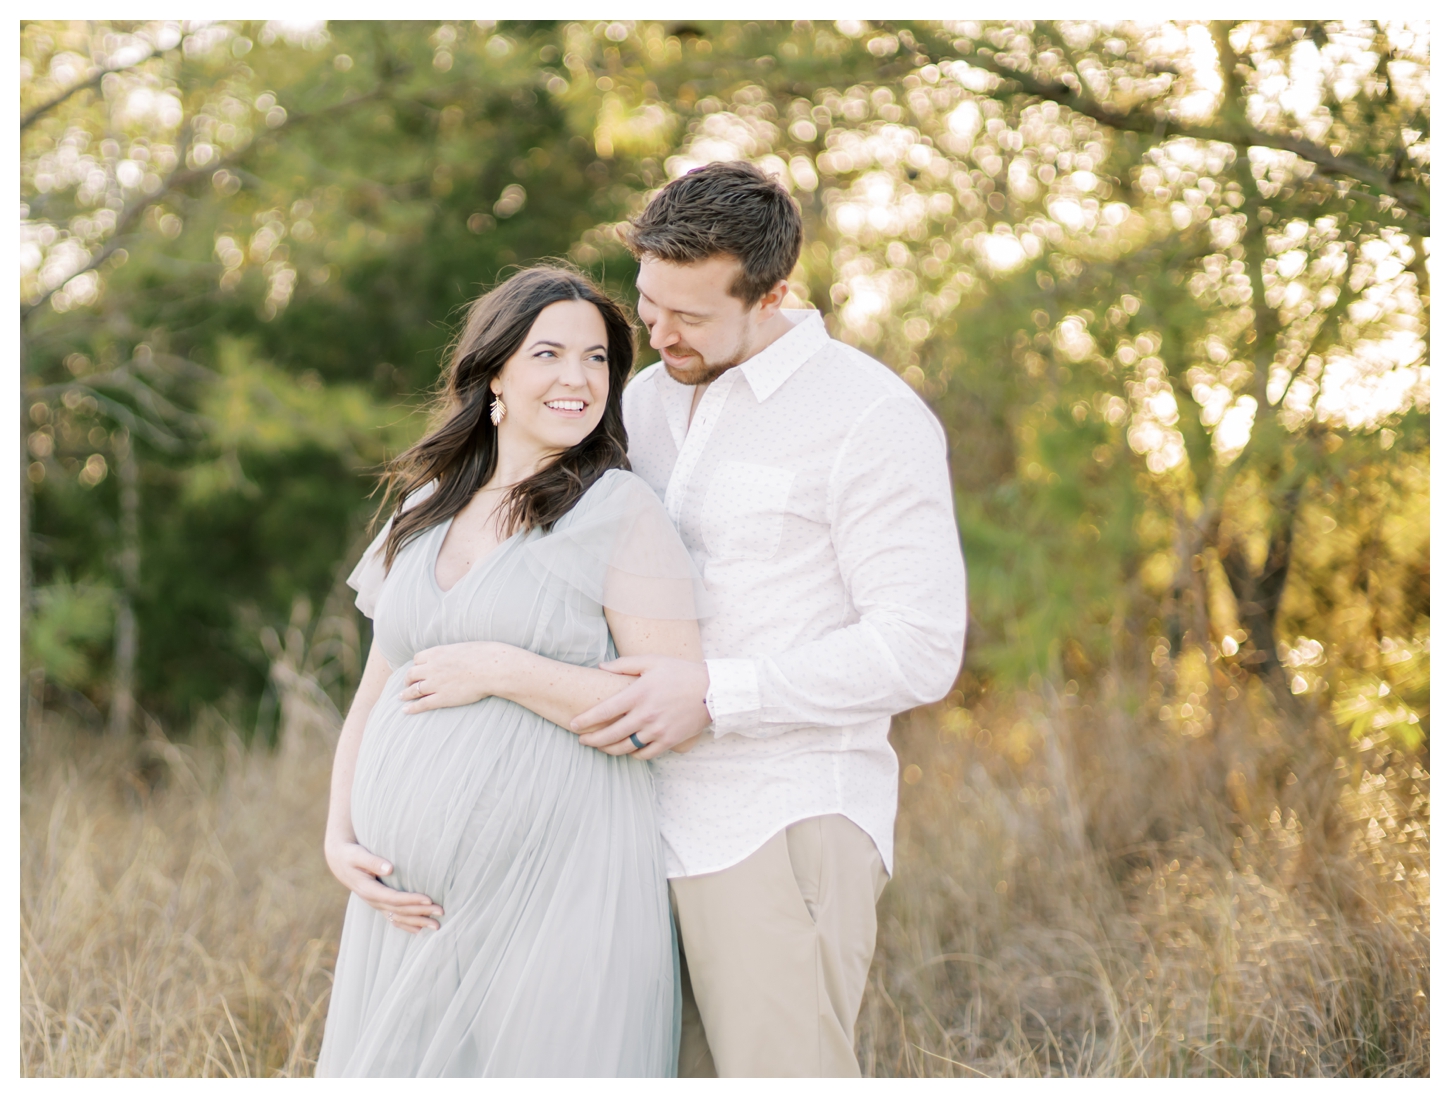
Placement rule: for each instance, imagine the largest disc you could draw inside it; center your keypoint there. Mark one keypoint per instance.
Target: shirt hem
(886, 855)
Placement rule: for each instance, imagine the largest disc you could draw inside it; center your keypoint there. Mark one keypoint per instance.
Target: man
(810, 484)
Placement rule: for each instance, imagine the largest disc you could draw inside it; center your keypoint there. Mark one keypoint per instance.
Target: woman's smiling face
(555, 385)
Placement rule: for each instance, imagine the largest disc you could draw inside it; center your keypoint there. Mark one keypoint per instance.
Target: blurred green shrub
(70, 631)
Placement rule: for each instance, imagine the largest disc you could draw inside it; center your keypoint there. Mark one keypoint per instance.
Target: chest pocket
(744, 510)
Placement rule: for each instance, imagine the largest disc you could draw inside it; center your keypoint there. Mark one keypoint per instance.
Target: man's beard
(701, 372)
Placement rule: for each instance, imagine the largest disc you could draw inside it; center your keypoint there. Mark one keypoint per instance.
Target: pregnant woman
(509, 913)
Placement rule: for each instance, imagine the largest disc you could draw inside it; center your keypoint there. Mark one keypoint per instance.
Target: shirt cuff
(734, 695)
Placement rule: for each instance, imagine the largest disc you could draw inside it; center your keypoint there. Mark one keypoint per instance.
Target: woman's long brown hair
(462, 452)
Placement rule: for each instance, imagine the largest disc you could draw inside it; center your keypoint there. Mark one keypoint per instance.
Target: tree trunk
(26, 503)
(34, 690)
(1257, 594)
(123, 692)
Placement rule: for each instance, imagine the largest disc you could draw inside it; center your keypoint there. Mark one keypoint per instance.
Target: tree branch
(1242, 135)
(182, 178)
(154, 403)
(137, 425)
(1329, 319)
(35, 112)
(121, 377)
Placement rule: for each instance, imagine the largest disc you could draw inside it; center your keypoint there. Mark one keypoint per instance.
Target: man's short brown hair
(729, 208)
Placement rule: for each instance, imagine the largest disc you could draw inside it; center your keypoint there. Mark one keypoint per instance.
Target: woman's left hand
(449, 675)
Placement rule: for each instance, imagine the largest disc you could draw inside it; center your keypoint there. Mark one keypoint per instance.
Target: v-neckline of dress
(444, 527)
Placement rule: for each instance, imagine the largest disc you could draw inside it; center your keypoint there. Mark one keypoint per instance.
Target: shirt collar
(773, 366)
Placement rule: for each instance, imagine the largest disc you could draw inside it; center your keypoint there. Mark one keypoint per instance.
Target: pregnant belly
(455, 797)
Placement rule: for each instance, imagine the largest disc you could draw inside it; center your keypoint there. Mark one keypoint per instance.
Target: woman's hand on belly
(359, 869)
(452, 674)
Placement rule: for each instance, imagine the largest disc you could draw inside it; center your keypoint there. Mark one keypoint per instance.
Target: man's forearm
(866, 671)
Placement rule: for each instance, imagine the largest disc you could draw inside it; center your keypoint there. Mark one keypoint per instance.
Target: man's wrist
(681, 727)
(732, 697)
(704, 699)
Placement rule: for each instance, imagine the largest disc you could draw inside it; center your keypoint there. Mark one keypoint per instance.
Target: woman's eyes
(598, 357)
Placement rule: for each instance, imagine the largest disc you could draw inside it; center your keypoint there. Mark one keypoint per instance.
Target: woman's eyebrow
(560, 346)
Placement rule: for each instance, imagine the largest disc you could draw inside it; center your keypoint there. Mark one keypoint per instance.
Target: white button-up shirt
(812, 490)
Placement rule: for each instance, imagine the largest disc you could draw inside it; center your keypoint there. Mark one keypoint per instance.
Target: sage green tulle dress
(555, 954)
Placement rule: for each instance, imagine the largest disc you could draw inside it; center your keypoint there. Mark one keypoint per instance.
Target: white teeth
(565, 405)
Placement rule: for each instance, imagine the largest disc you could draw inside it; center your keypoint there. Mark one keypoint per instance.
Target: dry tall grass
(177, 917)
(1072, 897)
(1083, 892)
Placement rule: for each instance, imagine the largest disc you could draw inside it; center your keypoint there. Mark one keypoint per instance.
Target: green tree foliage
(1166, 286)
(72, 623)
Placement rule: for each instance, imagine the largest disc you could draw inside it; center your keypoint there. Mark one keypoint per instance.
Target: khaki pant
(775, 954)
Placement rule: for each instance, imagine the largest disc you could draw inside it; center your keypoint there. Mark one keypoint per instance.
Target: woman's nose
(572, 373)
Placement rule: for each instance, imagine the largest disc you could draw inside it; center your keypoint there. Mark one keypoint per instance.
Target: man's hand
(449, 675)
(664, 708)
(359, 869)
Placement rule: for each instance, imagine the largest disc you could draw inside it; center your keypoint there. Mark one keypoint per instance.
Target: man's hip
(776, 953)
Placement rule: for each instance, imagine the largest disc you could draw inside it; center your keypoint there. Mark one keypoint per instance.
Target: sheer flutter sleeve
(619, 548)
(368, 575)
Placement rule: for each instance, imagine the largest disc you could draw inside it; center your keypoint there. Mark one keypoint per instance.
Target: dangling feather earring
(497, 411)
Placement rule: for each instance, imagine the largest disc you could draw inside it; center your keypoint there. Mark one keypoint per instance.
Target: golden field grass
(1079, 891)
(1083, 892)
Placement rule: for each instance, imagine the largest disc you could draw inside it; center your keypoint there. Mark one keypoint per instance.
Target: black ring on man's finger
(634, 739)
